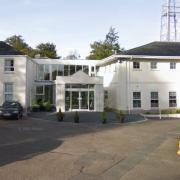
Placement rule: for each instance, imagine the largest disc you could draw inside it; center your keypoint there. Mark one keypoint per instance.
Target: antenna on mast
(170, 21)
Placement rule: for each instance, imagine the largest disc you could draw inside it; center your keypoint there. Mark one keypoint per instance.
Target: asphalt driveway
(44, 150)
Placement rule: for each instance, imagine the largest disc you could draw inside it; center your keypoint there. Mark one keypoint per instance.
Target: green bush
(47, 106)
(120, 116)
(35, 107)
(60, 115)
(76, 117)
(170, 111)
(104, 117)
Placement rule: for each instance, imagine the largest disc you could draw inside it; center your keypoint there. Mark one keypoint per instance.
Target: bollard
(179, 149)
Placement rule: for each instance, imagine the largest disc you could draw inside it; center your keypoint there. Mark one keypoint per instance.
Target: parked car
(11, 109)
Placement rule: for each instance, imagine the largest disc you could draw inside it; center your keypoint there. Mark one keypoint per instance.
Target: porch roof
(79, 78)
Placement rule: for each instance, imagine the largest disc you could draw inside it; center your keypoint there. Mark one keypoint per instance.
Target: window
(39, 90)
(92, 68)
(153, 65)
(40, 72)
(172, 65)
(54, 71)
(154, 99)
(172, 99)
(8, 91)
(66, 70)
(46, 72)
(105, 94)
(137, 99)
(9, 65)
(136, 65)
(78, 68)
(60, 70)
(72, 69)
(86, 69)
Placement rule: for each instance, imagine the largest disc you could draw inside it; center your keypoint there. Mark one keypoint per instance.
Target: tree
(19, 44)
(73, 55)
(47, 50)
(108, 47)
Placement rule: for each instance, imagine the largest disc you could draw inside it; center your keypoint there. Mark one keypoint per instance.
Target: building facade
(141, 79)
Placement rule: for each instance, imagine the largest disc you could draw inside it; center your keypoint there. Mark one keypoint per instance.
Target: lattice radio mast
(170, 21)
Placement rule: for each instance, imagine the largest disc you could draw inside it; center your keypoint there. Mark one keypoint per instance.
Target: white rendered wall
(122, 82)
(18, 78)
(60, 97)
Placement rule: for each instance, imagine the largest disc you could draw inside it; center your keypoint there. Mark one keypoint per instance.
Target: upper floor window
(172, 65)
(153, 65)
(136, 65)
(9, 65)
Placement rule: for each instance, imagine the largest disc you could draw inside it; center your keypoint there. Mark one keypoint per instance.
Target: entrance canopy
(79, 78)
(79, 92)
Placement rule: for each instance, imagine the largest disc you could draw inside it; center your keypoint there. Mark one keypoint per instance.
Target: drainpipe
(128, 85)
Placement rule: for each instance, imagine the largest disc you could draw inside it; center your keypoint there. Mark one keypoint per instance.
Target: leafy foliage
(47, 50)
(44, 49)
(106, 48)
(19, 44)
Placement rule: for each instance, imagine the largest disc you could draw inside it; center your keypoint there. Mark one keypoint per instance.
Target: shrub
(47, 106)
(104, 117)
(169, 111)
(120, 116)
(35, 107)
(76, 117)
(60, 115)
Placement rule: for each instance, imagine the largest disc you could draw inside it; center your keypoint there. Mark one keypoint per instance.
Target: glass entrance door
(84, 100)
(79, 97)
(75, 100)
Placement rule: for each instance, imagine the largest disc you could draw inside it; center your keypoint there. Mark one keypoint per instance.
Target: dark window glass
(72, 70)
(66, 70)
(78, 68)
(86, 69)
(54, 71)
(136, 65)
(154, 99)
(172, 99)
(172, 65)
(137, 99)
(46, 72)
(60, 70)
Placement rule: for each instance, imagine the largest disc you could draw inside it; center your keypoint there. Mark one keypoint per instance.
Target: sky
(75, 24)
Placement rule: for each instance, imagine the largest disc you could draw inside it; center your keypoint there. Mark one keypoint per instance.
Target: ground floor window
(154, 99)
(44, 93)
(8, 91)
(136, 99)
(172, 99)
(79, 97)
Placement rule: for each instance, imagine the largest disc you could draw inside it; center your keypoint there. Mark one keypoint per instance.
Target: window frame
(172, 98)
(154, 67)
(154, 98)
(8, 92)
(136, 65)
(11, 67)
(137, 100)
(172, 65)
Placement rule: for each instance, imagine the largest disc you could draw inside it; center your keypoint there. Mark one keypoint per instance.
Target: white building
(141, 79)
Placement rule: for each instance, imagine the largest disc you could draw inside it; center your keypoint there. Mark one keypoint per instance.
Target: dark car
(11, 109)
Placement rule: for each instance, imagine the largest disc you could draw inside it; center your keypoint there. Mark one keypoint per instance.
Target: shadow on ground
(26, 150)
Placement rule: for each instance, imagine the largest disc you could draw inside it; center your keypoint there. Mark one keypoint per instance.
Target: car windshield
(10, 104)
